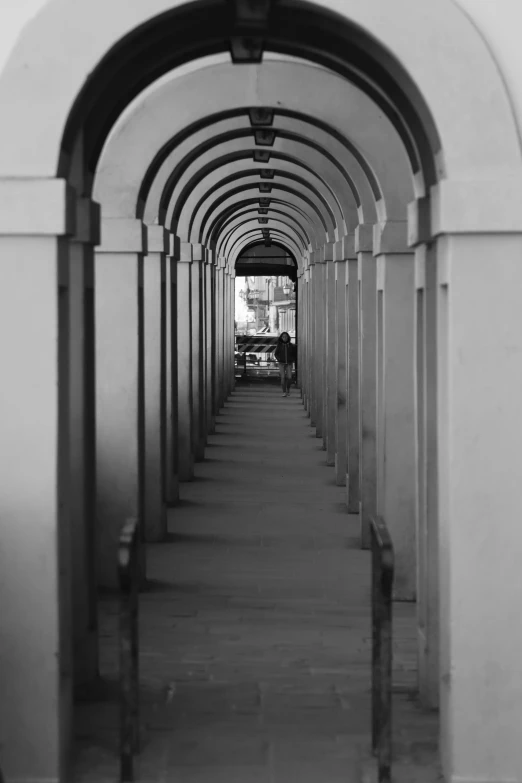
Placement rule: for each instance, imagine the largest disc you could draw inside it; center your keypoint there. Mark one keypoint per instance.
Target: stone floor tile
(327, 770)
(214, 774)
(255, 625)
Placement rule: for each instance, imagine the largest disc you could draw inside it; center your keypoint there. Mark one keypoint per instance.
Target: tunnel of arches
(371, 212)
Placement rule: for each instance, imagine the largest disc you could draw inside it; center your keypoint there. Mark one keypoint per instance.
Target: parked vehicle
(254, 356)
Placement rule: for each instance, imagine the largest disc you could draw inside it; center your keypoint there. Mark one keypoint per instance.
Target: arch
(250, 214)
(277, 206)
(229, 237)
(359, 175)
(315, 191)
(256, 235)
(198, 92)
(284, 167)
(239, 229)
(360, 40)
(290, 147)
(232, 171)
(262, 268)
(287, 211)
(307, 203)
(311, 198)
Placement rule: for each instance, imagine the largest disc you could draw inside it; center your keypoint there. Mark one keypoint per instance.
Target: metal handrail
(382, 588)
(129, 576)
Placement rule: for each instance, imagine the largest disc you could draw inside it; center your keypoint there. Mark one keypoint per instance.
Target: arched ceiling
(251, 171)
(137, 163)
(263, 258)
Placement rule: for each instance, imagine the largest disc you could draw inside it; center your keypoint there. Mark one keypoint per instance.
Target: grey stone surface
(255, 625)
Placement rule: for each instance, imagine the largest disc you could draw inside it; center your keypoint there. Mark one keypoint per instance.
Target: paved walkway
(255, 629)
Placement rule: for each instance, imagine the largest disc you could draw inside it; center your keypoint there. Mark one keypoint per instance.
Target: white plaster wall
(441, 30)
(499, 22)
(14, 14)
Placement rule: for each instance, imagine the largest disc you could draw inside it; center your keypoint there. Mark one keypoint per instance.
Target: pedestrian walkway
(255, 627)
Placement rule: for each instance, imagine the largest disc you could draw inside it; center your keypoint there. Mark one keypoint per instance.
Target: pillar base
(200, 451)
(186, 472)
(172, 492)
(340, 475)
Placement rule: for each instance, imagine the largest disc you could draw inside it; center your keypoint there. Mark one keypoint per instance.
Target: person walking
(285, 356)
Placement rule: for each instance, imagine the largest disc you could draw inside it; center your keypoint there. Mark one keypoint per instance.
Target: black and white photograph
(260, 391)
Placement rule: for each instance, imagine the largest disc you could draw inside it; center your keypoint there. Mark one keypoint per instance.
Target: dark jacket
(285, 353)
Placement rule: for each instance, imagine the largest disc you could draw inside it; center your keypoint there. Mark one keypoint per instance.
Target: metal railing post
(128, 573)
(382, 652)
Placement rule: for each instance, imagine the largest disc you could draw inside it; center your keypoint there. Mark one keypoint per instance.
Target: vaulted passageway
(146, 150)
(255, 624)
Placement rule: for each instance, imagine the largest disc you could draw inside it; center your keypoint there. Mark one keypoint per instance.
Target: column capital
(338, 250)
(198, 252)
(157, 239)
(37, 207)
(88, 221)
(324, 253)
(221, 262)
(123, 235)
(380, 272)
(185, 253)
(349, 252)
(420, 267)
(471, 207)
(363, 238)
(174, 245)
(327, 252)
(390, 237)
(419, 221)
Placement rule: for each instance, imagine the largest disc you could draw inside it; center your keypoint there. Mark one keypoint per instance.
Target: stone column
(367, 268)
(198, 425)
(184, 336)
(479, 388)
(319, 342)
(35, 518)
(309, 338)
(313, 324)
(215, 341)
(397, 413)
(226, 334)
(427, 500)
(218, 315)
(82, 453)
(330, 380)
(340, 403)
(204, 347)
(305, 351)
(353, 476)
(154, 358)
(170, 341)
(209, 283)
(300, 331)
(119, 387)
(327, 352)
(220, 310)
(232, 332)
(379, 398)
